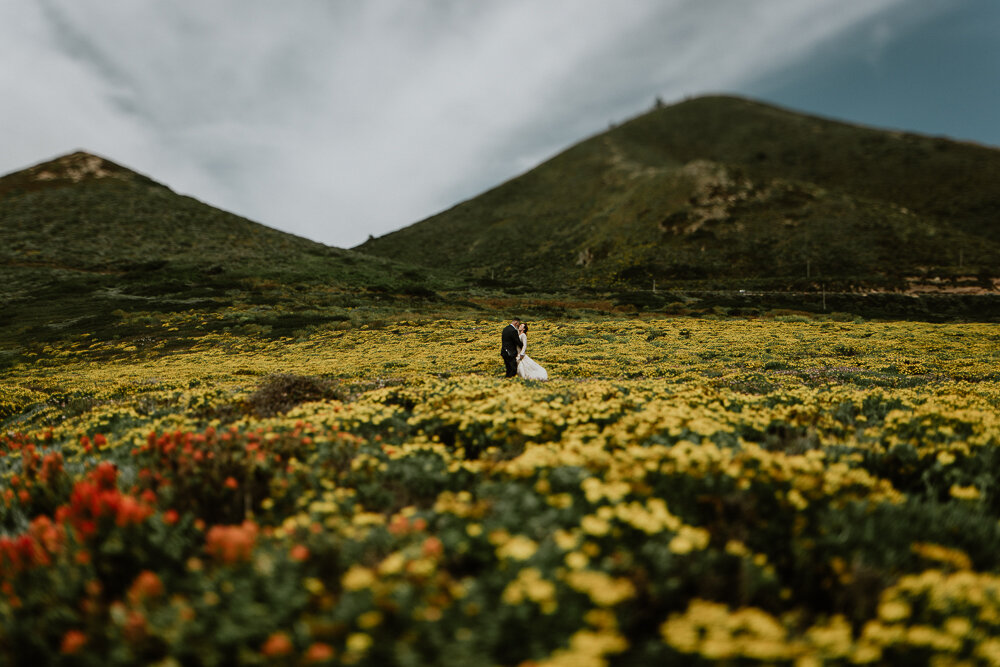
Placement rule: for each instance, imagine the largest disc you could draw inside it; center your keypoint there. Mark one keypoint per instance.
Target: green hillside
(729, 192)
(90, 247)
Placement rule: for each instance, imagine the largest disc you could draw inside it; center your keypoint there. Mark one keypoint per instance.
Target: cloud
(336, 120)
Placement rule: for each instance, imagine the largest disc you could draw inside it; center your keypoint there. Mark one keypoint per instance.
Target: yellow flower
(565, 539)
(359, 642)
(593, 525)
(893, 610)
(421, 567)
(958, 626)
(834, 639)
(936, 552)
(604, 590)
(736, 548)
(964, 492)
(560, 500)
(357, 578)
(689, 539)
(531, 585)
(393, 563)
(518, 547)
(369, 620)
(313, 585)
(796, 499)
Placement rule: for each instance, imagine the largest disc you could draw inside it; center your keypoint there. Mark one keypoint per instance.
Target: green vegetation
(725, 193)
(88, 247)
(684, 491)
(221, 444)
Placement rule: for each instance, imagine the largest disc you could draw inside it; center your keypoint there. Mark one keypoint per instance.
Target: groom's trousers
(510, 363)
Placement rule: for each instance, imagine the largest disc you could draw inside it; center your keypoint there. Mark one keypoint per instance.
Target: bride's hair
(525, 325)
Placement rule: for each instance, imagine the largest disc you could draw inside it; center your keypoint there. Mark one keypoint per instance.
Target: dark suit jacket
(510, 341)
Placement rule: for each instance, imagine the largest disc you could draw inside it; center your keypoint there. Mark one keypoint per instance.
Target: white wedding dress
(528, 368)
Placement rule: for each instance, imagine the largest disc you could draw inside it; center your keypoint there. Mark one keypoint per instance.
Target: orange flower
(277, 644)
(231, 483)
(105, 474)
(170, 517)
(146, 585)
(319, 652)
(131, 511)
(300, 552)
(399, 525)
(73, 641)
(433, 547)
(135, 626)
(231, 543)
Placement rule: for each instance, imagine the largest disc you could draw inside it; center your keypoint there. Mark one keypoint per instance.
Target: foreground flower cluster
(743, 507)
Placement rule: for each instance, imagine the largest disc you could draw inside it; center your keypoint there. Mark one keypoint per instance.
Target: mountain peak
(717, 189)
(76, 167)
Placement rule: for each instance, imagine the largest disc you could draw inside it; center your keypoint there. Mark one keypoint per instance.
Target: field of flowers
(684, 491)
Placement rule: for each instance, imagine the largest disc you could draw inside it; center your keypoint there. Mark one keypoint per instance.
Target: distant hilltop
(730, 192)
(68, 169)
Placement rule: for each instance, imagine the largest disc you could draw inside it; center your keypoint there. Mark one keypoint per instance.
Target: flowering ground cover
(684, 491)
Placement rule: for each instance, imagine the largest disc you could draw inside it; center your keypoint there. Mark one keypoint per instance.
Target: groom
(510, 343)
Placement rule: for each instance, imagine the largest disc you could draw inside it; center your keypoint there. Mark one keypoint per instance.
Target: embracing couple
(513, 348)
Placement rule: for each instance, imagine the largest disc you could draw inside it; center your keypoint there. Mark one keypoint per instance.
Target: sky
(339, 119)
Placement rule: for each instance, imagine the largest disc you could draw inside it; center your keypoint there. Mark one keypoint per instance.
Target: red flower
(97, 497)
(135, 626)
(73, 641)
(318, 652)
(132, 511)
(48, 534)
(399, 525)
(147, 585)
(231, 483)
(170, 517)
(299, 552)
(230, 544)
(277, 644)
(87, 528)
(432, 547)
(52, 465)
(106, 475)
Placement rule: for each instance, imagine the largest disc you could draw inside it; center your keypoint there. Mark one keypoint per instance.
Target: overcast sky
(336, 119)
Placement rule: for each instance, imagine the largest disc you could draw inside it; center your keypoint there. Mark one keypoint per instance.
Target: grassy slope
(724, 188)
(84, 243)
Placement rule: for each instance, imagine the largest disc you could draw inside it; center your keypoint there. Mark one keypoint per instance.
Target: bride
(528, 368)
